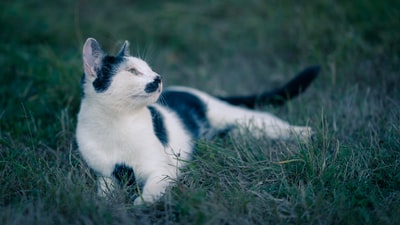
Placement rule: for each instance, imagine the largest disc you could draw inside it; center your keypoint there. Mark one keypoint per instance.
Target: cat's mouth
(158, 91)
(160, 88)
(155, 93)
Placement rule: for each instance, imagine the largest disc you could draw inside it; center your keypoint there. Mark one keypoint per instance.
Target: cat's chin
(154, 96)
(149, 95)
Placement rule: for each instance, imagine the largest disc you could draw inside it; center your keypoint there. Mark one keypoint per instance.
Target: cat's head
(118, 82)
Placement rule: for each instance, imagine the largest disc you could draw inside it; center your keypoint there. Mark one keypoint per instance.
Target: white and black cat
(126, 130)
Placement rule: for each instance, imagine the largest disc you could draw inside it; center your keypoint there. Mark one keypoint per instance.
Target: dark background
(350, 174)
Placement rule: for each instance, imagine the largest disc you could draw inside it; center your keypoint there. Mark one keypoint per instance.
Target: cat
(131, 130)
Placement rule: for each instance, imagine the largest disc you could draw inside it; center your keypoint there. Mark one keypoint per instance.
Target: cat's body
(126, 129)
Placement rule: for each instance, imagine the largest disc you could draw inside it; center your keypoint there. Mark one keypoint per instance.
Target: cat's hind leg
(222, 115)
(263, 124)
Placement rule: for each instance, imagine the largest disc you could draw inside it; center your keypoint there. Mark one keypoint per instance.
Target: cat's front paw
(138, 201)
(143, 200)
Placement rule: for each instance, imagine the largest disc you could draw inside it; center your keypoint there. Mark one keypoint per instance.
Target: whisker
(148, 52)
(162, 100)
(138, 50)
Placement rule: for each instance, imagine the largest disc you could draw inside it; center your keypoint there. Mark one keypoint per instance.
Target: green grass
(349, 174)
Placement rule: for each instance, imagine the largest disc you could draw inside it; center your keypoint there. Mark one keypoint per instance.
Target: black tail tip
(303, 79)
(314, 68)
(294, 87)
(311, 71)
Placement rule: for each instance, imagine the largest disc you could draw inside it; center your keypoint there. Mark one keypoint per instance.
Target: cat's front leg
(153, 189)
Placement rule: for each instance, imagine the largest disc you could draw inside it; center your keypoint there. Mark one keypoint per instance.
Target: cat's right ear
(124, 51)
(92, 57)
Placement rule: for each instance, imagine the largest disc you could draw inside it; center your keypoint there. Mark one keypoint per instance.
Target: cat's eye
(134, 71)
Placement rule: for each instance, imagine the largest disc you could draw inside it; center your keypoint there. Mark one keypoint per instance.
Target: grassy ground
(350, 174)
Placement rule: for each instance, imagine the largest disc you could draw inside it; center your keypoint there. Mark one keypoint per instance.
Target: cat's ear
(92, 56)
(124, 51)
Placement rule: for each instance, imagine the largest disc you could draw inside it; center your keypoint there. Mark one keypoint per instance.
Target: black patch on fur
(153, 86)
(124, 174)
(106, 72)
(83, 81)
(126, 179)
(278, 96)
(190, 109)
(158, 125)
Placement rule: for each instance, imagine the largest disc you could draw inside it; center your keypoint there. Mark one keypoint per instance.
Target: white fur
(115, 126)
(222, 114)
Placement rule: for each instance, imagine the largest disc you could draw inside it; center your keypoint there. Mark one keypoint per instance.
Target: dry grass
(350, 174)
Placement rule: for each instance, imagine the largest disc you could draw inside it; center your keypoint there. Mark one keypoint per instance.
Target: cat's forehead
(136, 63)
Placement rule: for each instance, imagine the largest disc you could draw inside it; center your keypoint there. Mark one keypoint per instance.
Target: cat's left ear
(92, 57)
(124, 51)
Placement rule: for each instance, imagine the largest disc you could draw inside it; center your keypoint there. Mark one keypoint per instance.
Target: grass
(350, 173)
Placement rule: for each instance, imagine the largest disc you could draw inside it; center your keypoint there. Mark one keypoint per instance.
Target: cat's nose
(157, 79)
(154, 85)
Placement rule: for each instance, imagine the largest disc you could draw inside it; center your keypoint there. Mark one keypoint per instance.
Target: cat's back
(190, 108)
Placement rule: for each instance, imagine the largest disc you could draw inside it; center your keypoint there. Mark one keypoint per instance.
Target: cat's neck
(100, 110)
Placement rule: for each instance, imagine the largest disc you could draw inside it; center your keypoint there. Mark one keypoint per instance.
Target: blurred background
(222, 47)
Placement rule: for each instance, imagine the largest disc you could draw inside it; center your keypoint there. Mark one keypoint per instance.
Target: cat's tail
(278, 96)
